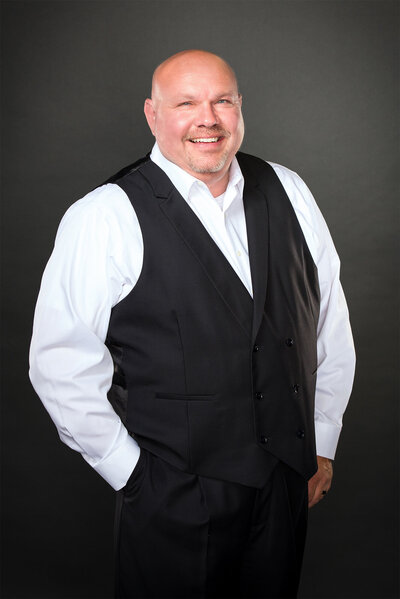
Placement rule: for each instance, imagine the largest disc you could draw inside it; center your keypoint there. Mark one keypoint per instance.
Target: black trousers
(180, 535)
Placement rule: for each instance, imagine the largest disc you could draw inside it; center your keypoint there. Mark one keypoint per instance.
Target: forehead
(194, 77)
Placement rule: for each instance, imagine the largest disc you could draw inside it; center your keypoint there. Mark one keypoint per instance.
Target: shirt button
(264, 439)
(256, 348)
(259, 396)
(296, 388)
(289, 342)
(300, 434)
(238, 253)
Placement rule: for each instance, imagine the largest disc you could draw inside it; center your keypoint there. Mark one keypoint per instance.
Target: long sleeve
(96, 262)
(70, 367)
(335, 348)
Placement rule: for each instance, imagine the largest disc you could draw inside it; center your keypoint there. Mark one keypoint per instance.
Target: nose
(206, 115)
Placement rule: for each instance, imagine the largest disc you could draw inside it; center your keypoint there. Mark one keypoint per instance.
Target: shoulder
(289, 179)
(105, 205)
(106, 199)
(296, 189)
(101, 222)
(306, 209)
(99, 234)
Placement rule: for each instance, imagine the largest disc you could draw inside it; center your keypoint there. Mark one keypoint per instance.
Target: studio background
(320, 87)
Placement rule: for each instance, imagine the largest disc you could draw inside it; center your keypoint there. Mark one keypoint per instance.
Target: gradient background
(320, 87)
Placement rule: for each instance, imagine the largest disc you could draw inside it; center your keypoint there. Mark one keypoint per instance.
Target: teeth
(205, 139)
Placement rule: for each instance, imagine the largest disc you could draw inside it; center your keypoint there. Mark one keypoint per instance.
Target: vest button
(296, 388)
(263, 439)
(289, 342)
(256, 348)
(259, 396)
(300, 434)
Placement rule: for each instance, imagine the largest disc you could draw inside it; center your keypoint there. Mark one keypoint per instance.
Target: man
(203, 288)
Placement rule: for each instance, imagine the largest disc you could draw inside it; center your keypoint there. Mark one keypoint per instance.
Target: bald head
(188, 60)
(195, 115)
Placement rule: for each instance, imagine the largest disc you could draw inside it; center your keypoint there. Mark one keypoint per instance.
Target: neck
(216, 182)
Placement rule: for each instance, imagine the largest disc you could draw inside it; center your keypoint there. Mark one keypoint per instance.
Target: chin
(211, 166)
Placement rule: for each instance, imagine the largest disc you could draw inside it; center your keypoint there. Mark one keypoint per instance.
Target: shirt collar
(185, 183)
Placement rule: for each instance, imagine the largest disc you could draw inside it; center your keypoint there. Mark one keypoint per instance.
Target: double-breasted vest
(206, 377)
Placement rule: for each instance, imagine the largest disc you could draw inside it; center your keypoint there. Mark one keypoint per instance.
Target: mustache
(214, 131)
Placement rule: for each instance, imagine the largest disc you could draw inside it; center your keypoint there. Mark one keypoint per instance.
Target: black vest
(207, 378)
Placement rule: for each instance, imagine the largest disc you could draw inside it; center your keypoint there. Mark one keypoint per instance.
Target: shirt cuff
(326, 439)
(118, 466)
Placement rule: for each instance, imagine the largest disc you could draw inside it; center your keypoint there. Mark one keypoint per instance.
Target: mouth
(205, 140)
(207, 143)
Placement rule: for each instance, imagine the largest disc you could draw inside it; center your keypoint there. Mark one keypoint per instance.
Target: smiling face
(195, 115)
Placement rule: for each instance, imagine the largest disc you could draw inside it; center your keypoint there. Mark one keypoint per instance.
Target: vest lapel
(190, 229)
(256, 210)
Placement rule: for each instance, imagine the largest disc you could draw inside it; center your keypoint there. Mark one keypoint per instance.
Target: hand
(320, 483)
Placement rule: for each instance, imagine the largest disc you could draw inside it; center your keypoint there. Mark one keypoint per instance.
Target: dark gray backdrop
(320, 84)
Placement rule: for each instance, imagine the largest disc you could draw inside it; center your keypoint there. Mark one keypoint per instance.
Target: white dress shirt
(96, 262)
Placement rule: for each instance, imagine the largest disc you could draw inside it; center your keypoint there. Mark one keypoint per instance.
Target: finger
(311, 491)
(318, 488)
(313, 497)
(316, 498)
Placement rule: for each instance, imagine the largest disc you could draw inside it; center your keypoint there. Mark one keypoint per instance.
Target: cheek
(232, 121)
(238, 123)
(239, 128)
(180, 128)
(172, 133)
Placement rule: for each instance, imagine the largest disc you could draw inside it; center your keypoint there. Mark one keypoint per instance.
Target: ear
(150, 114)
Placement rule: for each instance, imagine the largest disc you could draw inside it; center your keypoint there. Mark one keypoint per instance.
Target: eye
(223, 101)
(187, 103)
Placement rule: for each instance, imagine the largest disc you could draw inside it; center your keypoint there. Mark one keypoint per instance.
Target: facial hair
(197, 165)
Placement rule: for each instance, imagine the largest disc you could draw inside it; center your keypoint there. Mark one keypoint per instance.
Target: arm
(336, 364)
(70, 367)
